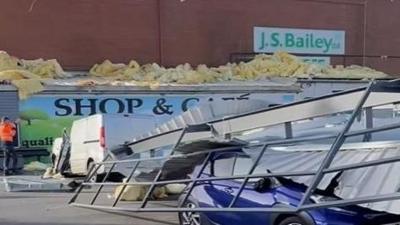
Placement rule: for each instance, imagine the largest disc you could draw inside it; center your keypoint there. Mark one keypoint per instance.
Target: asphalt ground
(51, 208)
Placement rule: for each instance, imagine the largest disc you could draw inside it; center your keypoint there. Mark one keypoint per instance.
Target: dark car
(266, 192)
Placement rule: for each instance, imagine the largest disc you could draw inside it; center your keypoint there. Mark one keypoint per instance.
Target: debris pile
(29, 76)
(280, 64)
(51, 173)
(136, 192)
(35, 166)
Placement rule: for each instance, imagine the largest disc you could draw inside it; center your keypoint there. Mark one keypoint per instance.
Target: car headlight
(321, 198)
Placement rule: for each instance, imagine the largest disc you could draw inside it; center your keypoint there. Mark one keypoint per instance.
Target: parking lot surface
(51, 208)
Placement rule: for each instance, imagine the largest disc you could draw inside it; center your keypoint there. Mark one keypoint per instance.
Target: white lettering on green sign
(316, 60)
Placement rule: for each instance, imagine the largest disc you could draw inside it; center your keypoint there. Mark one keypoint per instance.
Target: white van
(92, 136)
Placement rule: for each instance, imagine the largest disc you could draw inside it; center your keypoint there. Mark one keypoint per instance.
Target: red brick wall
(82, 32)
(383, 34)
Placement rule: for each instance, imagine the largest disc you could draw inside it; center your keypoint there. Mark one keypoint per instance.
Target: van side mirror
(263, 184)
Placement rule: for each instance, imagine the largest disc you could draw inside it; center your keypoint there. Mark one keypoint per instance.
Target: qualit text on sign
(270, 39)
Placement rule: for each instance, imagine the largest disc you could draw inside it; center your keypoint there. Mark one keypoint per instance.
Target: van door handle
(228, 190)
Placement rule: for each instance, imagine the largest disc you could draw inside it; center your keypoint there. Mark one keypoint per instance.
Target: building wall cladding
(170, 32)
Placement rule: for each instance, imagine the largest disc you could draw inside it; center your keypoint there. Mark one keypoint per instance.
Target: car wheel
(192, 218)
(293, 221)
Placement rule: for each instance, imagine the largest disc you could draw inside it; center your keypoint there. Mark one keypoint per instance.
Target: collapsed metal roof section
(355, 183)
(380, 93)
(205, 113)
(358, 166)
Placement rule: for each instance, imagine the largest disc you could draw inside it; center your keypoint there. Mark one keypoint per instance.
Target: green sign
(271, 39)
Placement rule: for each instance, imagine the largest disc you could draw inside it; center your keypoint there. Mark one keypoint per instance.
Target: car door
(250, 197)
(223, 192)
(219, 193)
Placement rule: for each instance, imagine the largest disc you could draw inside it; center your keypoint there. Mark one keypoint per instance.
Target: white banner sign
(271, 39)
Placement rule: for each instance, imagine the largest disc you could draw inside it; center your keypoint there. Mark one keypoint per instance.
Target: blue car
(266, 192)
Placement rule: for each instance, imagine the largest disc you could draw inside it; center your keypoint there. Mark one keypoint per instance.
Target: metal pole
(253, 167)
(334, 148)
(369, 123)
(288, 209)
(194, 181)
(153, 186)
(284, 174)
(88, 177)
(92, 172)
(288, 130)
(101, 186)
(125, 185)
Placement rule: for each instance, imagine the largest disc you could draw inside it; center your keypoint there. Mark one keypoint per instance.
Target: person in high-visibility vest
(7, 134)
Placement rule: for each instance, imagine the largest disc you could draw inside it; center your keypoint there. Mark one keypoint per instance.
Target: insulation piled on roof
(280, 64)
(26, 82)
(7, 62)
(262, 67)
(28, 75)
(45, 69)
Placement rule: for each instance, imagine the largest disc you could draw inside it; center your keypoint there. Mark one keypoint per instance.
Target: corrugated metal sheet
(206, 112)
(178, 167)
(363, 182)
(9, 104)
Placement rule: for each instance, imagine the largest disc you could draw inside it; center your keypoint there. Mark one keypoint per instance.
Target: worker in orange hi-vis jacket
(7, 134)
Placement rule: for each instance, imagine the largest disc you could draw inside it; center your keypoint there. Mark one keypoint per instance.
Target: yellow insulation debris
(28, 75)
(26, 82)
(119, 70)
(280, 64)
(17, 75)
(27, 87)
(44, 68)
(7, 62)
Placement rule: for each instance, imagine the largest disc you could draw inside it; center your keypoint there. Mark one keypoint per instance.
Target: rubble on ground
(137, 192)
(35, 166)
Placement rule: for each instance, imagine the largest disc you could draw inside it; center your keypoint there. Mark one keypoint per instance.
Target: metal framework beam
(325, 105)
(373, 95)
